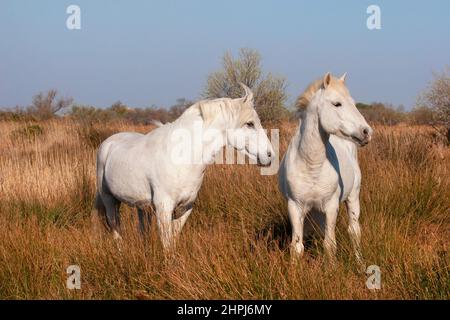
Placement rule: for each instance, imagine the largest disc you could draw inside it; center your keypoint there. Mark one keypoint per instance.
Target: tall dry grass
(235, 244)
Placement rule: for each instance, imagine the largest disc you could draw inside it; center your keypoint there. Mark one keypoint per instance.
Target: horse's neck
(205, 144)
(192, 120)
(213, 145)
(311, 149)
(212, 148)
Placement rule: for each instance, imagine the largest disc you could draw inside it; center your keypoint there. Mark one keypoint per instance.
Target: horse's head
(248, 135)
(338, 114)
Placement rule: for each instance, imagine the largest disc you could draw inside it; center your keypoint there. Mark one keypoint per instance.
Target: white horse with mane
(320, 168)
(142, 170)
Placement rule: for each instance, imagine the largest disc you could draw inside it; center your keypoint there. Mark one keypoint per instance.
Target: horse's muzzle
(361, 141)
(261, 164)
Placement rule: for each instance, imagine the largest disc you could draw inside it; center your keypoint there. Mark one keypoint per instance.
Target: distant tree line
(119, 111)
(46, 106)
(432, 107)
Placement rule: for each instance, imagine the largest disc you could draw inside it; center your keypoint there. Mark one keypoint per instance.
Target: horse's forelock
(305, 98)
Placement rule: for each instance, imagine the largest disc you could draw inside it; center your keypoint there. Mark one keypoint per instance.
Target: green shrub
(29, 132)
(93, 136)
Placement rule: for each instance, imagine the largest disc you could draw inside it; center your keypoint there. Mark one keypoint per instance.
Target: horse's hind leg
(112, 206)
(144, 221)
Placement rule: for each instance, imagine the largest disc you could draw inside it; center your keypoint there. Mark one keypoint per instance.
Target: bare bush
(269, 90)
(45, 106)
(437, 98)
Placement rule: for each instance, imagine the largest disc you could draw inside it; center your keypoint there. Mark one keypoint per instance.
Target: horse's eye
(337, 104)
(250, 124)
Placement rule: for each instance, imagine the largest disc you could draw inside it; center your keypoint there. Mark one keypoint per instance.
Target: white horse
(320, 168)
(151, 170)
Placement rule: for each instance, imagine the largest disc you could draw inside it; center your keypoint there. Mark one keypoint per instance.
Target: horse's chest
(315, 187)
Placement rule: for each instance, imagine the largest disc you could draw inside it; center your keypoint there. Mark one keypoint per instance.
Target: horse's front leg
(297, 213)
(164, 209)
(331, 211)
(354, 230)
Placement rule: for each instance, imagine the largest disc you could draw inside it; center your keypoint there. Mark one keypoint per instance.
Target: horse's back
(116, 140)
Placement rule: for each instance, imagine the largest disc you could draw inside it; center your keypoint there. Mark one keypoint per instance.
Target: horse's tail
(98, 203)
(101, 210)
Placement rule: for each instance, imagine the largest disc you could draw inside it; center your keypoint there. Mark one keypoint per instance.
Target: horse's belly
(125, 182)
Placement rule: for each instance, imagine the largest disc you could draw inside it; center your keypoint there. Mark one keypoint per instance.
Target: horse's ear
(248, 93)
(326, 80)
(342, 78)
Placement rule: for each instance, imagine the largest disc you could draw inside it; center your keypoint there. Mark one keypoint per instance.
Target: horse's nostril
(269, 154)
(366, 131)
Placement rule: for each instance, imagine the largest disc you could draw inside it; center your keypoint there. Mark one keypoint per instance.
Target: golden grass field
(235, 244)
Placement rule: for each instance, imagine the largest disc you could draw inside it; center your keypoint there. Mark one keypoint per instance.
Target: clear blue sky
(153, 52)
